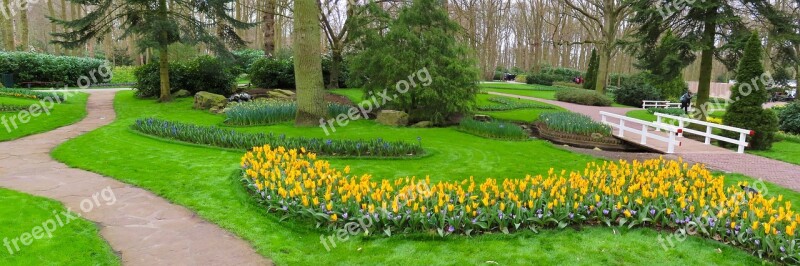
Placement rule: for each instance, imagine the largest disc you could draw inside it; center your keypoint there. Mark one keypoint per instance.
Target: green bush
(266, 112)
(574, 123)
(203, 73)
(783, 136)
(570, 84)
(274, 72)
(124, 74)
(668, 111)
(29, 67)
(789, 118)
(584, 97)
(540, 78)
(561, 73)
(227, 138)
(245, 58)
(634, 90)
(493, 129)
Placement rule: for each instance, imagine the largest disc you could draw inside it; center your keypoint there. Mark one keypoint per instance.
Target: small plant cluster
(654, 193)
(29, 94)
(266, 112)
(493, 129)
(11, 108)
(666, 111)
(226, 138)
(574, 123)
(506, 104)
(583, 97)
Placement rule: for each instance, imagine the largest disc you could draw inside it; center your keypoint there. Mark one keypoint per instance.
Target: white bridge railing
(709, 132)
(660, 104)
(647, 130)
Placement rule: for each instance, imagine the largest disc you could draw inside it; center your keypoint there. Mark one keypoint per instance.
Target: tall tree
(7, 27)
(717, 28)
(269, 27)
(665, 61)
(751, 94)
(156, 25)
(308, 64)
(602, 20)
(24, 23)
(591, 72)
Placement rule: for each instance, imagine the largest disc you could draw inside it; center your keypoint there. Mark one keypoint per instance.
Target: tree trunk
(706, 64)
(7, 28)
(336, 67)
(23, 28)
(163, 56)
(602, 69)
(308, 64)
(269, 28)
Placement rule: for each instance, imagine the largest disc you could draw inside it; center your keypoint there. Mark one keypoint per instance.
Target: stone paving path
(141, 227)
(777, 172)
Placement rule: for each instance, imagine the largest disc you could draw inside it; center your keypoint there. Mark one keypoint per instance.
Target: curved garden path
(774, 171)
(141, 227)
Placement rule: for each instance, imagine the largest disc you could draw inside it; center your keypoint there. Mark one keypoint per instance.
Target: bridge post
(644, 134)
(671, 144)
(708, 135)
(622, 127)
(742, 139)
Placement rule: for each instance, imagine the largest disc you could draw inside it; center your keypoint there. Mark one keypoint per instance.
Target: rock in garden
(281, 94)
(206, 100)
(423, 124)
(392, 118)
(482, 118)
(181, 94)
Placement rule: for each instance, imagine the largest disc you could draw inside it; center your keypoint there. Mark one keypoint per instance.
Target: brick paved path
(777, 172)
(140, 226)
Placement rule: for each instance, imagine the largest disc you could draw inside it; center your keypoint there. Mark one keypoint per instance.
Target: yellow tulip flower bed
(656, 193)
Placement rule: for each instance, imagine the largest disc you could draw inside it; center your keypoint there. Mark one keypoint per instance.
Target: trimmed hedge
(584, 97)
(540, 78)
(204, 73)
(30, 67)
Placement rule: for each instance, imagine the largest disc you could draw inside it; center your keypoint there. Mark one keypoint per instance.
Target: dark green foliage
(204, 73)
(245, 58)
(749, 94)
(591, 71)
(561, 73)
(12, 108)
(28, 67)
(226, 138)
(665, 61)
(574, 123)
(636, 89)
(790, 118)
(668, 111)
(584, 97)
(540, 78)
(278, 73)
(270, 112)
(493, 129)
(422, 40)
(504, 104)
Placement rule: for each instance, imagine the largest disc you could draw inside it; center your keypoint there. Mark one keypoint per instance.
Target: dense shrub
(584, 97)
(493, 129)
(540, 78)
(29, 67)
(668, 111)
(505, 104)
(261, 112)
(203, 73)
(634, 90)
(274, 72)
(561, 74)
(652, 193)
(783, 136)
(570, 84)
(574, 123)
(790, 118)
(123, 74)
(245, 58)
(226, 138)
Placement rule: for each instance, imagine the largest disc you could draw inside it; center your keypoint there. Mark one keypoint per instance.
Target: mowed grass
(786, 151)
(70, 112)
(204, 180)
(526, 115)
(76, 243)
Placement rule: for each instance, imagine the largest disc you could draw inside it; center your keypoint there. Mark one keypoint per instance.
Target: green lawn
(201, 179)
(786, 151)
(519, 115)
(77, 243)
(62, 114)
(355, 95)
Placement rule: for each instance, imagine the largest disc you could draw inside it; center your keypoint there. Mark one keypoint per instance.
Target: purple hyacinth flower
(571, 215)
(599, 204)
(728, 231)
(687, 220)
(783, 249)
(474, 220)
(539, 215)
(605, 212)
(451, 229)
(758, 243)
(344, 215)
(500, 215)
(633, 212)
(284, 207)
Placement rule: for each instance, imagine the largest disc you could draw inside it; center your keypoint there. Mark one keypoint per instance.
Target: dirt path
(141, 227)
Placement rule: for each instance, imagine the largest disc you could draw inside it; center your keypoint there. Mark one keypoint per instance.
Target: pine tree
(665, 61)
(418, 49)
(591, 71)
(749, 95)
(308, 64)
(156, 24)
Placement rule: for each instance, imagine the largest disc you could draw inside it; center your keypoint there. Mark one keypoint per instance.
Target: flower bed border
(605, 143)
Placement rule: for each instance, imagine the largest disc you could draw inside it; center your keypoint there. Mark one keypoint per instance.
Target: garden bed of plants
(12, 107)
(656, 193)
(493, 129)
(266, 112)
(29, 94)
(231, 139)
(506, 104)
(583, 97)
(579, 131)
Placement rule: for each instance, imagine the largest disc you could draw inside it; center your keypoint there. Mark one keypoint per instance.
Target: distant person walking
(686, 101)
